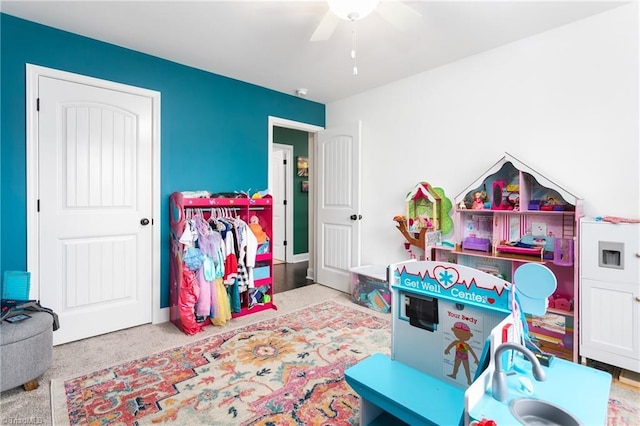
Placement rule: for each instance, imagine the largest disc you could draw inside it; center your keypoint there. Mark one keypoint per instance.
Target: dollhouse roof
(422, 190)
(508, 158)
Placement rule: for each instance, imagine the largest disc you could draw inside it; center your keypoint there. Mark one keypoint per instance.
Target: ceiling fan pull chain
(354, 40)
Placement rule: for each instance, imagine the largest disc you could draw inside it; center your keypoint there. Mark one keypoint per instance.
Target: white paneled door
(95, 207)
(281, 176)
(338, 202)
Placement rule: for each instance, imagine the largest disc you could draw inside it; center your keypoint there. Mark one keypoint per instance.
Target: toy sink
(530, 411)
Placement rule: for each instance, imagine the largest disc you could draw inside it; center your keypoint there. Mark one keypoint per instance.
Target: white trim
(289, 124)
(313, 206)
(300, 257)
(163, 315)
(313, 131)
(33, 72)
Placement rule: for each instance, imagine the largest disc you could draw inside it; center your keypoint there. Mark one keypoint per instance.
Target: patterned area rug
(285, 371)
(624, 407)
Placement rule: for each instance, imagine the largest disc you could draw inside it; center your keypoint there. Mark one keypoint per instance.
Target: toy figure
(462, 333)
(478, 201)
(254, 224)
(424, 222)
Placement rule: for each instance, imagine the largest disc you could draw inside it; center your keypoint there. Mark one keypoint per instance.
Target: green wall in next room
(300, 141)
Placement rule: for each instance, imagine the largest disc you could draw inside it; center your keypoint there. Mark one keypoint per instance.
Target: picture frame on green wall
(303, 166)
(304, 186)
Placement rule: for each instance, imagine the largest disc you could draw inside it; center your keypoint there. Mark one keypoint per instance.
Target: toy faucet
(499, 381)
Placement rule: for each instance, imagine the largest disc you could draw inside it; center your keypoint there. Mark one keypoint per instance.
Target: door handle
(355, 217)
(144, 221)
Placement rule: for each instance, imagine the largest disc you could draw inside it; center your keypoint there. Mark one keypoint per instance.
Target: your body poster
(463, 341)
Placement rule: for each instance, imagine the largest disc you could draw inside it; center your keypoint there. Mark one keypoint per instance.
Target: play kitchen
(461, 354)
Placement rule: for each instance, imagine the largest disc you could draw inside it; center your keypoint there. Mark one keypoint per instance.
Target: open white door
(338, 205)
(282, 201)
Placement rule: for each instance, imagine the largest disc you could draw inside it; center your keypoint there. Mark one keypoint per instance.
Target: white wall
(565, 102)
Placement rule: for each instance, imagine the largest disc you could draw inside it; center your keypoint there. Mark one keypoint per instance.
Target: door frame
(288, 195)
(313, 137)
(33, 72)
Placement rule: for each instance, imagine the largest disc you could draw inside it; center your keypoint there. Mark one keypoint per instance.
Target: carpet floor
(287, 370)
(84, 359)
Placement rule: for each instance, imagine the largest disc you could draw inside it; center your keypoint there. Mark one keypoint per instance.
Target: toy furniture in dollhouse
(255, 212)
(475, 243)
(530, 219)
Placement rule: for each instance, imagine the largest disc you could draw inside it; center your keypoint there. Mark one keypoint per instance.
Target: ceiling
(267, 42)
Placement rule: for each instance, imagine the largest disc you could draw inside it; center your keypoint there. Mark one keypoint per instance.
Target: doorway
(311, 137)
(334, 199)
(291, 194)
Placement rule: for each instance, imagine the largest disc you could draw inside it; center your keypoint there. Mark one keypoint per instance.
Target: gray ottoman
(26, 349)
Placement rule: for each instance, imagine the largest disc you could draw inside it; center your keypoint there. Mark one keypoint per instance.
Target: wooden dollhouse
(526, 218)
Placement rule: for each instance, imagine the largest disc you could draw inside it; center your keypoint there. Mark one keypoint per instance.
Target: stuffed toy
(254, 224)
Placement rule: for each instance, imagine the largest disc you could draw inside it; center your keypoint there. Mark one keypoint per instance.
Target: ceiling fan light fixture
(352, 10)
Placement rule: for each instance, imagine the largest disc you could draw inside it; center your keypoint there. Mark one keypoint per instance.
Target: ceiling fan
(395, 12)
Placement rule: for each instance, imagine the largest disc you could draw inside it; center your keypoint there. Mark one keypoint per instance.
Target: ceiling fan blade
(325, 28)
(399, 15)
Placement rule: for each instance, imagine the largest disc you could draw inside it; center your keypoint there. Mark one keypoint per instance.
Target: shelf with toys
(221, 263)
(512, 215)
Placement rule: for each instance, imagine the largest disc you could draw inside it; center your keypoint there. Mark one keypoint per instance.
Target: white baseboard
(300, 257)
(163, 315)
(311, 275)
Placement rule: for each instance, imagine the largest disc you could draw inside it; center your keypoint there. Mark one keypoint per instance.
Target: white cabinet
(610, 293)
(609, 323)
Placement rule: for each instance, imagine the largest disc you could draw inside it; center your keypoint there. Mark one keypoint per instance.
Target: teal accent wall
(214, 129)
(300, 142)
